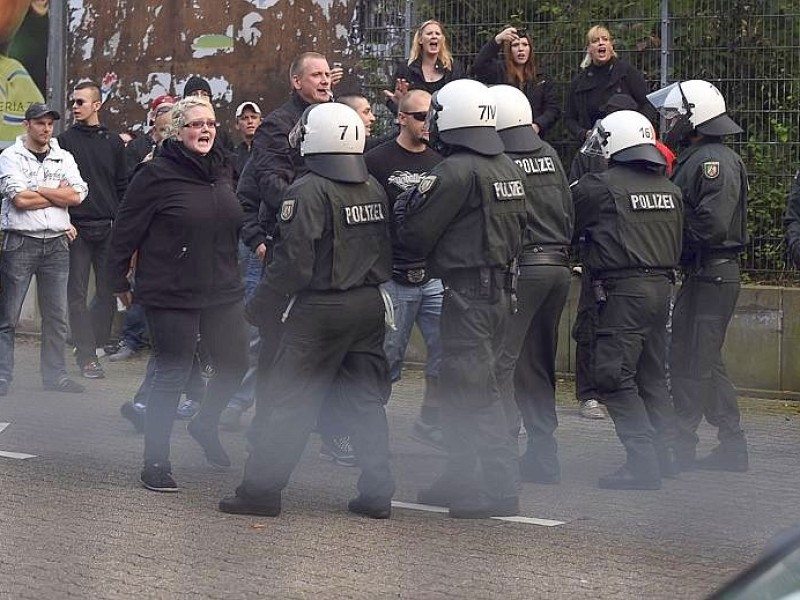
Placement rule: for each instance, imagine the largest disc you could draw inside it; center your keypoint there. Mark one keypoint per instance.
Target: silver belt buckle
(415, 275)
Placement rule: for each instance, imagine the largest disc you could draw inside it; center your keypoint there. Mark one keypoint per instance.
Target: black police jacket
(332, 236)
(551, 213)
(273, 165)
(629, 217)
(468, 212)
(713, 180)
(491, 70)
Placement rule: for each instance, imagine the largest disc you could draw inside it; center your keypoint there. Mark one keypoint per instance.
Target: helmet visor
(596, 142)
(659, 97)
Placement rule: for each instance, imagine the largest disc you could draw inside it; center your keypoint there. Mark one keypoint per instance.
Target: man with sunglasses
(399, 165)
(100, 155)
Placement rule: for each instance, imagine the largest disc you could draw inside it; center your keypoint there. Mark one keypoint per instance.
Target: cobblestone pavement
(74, 521)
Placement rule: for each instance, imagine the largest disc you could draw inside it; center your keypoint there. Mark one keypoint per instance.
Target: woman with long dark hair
(517, 67)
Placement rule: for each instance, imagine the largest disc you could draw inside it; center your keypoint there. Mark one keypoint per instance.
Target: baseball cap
(251, 105)
(37, 110)
(158, 101)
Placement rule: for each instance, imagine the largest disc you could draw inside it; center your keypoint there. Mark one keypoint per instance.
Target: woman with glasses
(429, 67)
(517, 67)
(182, 216)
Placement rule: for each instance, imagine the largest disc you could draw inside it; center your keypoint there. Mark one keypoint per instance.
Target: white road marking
(442, 509)
(15, 455)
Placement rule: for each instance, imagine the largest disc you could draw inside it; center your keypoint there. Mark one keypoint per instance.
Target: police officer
(630, 217)
(526, 366)
(332, 253)
(714, 184)
(467, 216)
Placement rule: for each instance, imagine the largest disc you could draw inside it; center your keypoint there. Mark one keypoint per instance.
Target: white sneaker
(591, 409)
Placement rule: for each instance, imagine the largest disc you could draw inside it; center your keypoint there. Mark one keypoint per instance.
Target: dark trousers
(526, 365)
(700, 384)
(331, 340)
(173, 335)
(583, 334)
(629, 367)
(473, 418)
(90, 327)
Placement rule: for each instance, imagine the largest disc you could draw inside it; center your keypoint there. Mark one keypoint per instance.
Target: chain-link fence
(749, 49)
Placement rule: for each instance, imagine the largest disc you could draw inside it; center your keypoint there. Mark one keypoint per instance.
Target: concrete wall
(762, 349)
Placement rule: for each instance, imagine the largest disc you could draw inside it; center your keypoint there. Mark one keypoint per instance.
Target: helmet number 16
(646, 132)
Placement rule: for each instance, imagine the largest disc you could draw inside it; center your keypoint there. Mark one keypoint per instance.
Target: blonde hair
(593, 34)
(178, 113)
(444, 56)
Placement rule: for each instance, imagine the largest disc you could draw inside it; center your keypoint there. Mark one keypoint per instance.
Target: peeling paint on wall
(243, 48)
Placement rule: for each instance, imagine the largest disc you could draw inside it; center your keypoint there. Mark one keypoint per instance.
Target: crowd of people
(287, 272)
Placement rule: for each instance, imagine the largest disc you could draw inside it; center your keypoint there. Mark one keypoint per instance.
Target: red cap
(161, 100)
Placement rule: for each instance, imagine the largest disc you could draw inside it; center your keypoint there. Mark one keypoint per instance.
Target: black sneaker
(136, 417)
(237, 505)
(158, 477)
(93, 370)
(65, 385)
(4, 385)
(370, 508)
(209, 442)
(338, 450)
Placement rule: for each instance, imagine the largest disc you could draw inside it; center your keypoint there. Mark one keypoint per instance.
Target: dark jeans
(526, 366)
(330, 340)
(21, 259)
(700, 384)
(174, 335)
(90, 327)
(134, 331)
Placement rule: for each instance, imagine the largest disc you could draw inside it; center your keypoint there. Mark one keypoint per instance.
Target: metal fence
(749, 49)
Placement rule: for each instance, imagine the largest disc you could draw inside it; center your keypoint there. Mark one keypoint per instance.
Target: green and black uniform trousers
(630, 352)
(526, 365)
(330, 340)
(700, 385)
(474, 313)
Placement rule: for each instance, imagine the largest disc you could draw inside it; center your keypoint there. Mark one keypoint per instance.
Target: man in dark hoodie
(100, 155)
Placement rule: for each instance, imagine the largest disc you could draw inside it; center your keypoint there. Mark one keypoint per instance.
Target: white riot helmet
(694, 104)
(624, 136)
(331, 139)
(514, 119)
(463, 113)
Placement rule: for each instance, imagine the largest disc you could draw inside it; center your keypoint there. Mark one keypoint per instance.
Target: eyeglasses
(419, 115)
(200, 123)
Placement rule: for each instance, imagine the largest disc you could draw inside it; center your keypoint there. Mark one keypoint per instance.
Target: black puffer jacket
(182, 216)
(491, 70)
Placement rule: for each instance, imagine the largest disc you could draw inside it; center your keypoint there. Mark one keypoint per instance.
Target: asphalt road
(75, 522)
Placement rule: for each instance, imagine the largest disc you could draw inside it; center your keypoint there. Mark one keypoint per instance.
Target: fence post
(665, 42)
(56, 59)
